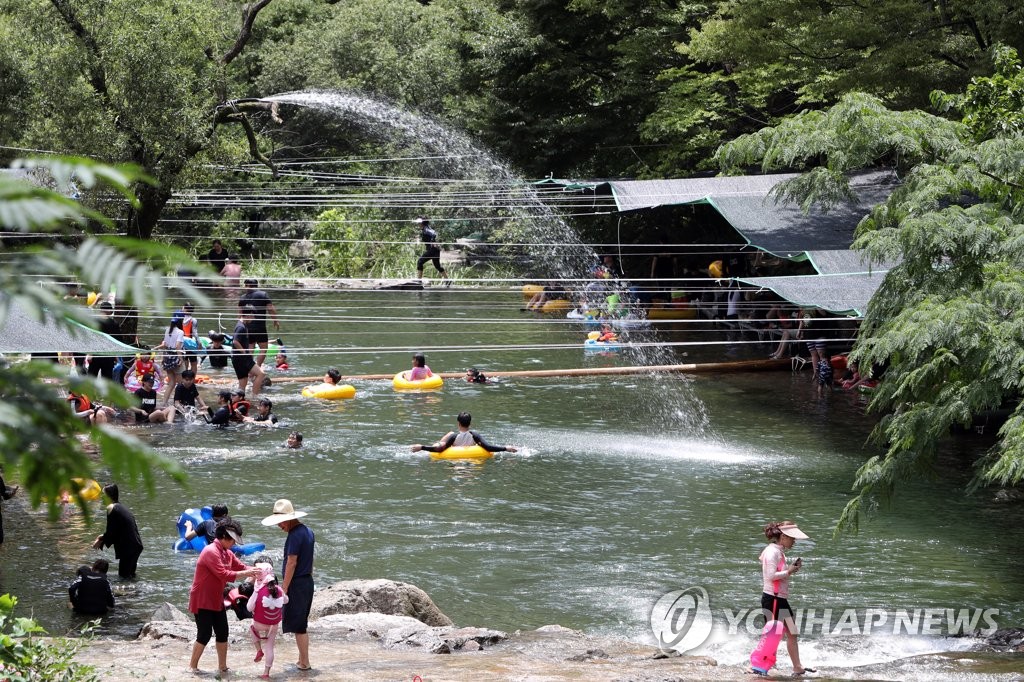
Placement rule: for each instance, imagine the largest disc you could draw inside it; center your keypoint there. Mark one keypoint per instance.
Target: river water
(624, 489)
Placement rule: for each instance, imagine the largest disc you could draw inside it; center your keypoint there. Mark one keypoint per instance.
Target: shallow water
(625, 488)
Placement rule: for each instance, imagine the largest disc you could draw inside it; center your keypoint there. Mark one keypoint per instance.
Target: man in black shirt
(147, 410)
(103, 365)
(207, 527)
(122, 532)
(241, 354)
(186, 395)
(90, 592)
(5, 493)
(216, 354)
(217, 256)
(431, 250)
(261, 304)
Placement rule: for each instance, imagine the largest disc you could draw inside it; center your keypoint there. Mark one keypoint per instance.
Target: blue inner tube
(196, 544)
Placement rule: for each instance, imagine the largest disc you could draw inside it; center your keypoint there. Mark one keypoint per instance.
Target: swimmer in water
(464, 437)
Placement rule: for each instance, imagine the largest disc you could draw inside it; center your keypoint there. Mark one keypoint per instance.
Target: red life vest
(144, 366)
(240, 407)
(187, 326)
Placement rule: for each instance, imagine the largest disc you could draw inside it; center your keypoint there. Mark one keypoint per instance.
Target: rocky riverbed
(379, 630)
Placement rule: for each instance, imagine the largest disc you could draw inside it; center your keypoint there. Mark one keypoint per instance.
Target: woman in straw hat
(775, 572)
(298, 575)
(217, 566)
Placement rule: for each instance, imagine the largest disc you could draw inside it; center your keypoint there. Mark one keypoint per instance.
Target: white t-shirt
(773, 568)
(173, 340)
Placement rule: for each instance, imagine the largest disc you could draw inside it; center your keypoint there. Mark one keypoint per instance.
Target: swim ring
(531, 290)
(134, 382)
(595, 345)
(402, 384)
(557, 305)
(462, 452)
(672, 313)
(88, 489)
(327, 391)
(196, 544)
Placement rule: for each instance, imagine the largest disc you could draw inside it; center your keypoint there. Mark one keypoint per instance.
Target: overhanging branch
(249, 13)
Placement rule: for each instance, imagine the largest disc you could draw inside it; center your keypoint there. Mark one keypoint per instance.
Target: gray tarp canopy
(845, 283)
(746, 203)
(845, 293)
(22, 333)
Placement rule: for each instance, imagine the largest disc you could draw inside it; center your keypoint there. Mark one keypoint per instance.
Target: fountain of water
(550, 244)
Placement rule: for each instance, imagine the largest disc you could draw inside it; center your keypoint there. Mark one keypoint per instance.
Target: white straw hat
(283, 511)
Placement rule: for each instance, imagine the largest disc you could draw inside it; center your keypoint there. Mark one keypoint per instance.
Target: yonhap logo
(681, 620)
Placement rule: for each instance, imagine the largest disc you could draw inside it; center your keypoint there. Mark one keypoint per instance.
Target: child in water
(475, 376)
(607, 335)
(420, 370)
(282, 362)
(266, 606)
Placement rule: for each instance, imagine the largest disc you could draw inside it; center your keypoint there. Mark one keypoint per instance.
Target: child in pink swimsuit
(420, 370)
(267, 606)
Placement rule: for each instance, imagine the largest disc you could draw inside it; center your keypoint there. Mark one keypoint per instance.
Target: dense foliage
(949, 317)
(27, 655)
(39, 434)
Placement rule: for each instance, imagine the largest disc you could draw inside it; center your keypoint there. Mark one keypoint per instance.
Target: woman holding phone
(775, 573)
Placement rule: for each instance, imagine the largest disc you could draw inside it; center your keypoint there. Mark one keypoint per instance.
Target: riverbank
(349, 648)
(380, 630)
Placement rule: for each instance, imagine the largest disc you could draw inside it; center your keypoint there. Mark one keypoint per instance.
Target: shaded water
(615, 498)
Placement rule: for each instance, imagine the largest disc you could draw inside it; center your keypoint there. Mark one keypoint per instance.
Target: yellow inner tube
(88, 488)
(462, 452)
(402, 384)
(558, 305)
(327, 391)
(672, 314)
(531, 290)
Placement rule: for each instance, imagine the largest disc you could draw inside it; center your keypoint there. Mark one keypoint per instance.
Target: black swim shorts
(243, 364)
(300, 601)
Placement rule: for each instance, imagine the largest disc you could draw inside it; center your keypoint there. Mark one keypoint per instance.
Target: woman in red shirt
(217, 566)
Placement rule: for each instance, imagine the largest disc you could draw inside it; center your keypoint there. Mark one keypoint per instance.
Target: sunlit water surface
(624, 488)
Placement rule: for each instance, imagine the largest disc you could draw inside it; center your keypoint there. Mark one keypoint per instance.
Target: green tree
(145, 83)
(752, 62)
(564, 86)
(37, 430)
(949, 318)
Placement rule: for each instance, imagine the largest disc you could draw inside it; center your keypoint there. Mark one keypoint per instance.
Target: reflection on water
(616, 498)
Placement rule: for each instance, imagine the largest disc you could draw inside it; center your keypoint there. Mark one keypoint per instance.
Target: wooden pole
(690, 368)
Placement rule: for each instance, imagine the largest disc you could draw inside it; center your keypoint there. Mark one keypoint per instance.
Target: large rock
(378, 596)
(168, 611)
(441, 640)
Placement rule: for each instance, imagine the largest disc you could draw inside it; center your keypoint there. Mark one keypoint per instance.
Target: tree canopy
(948, 319)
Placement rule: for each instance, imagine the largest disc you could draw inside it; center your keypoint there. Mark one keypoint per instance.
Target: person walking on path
(431, 250)
(122, 532)
(261, 304)
(298, 575)
(775, 573)
(217, 566)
